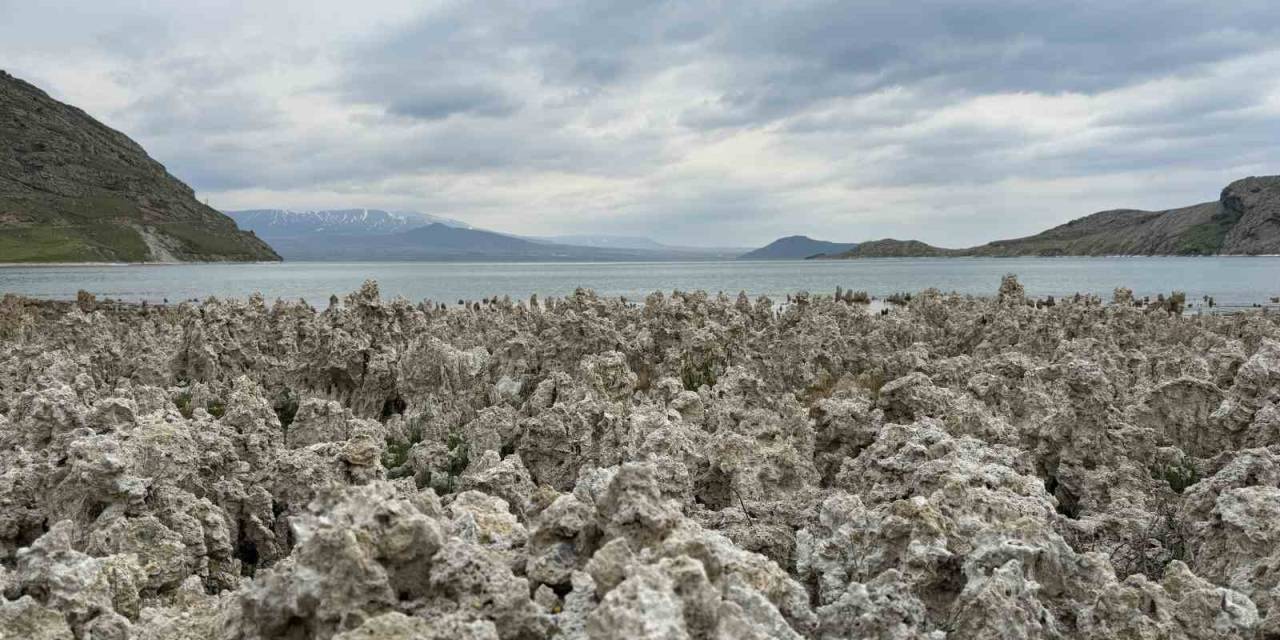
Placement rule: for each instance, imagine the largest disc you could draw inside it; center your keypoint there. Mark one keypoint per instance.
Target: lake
(1233, 281)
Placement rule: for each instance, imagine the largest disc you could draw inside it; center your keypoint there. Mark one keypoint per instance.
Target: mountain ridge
(1245, 220)
(360, 234)
(440, 242)
(268, 223)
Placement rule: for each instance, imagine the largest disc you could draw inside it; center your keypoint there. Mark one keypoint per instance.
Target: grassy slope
(73, 189)
(99, 228)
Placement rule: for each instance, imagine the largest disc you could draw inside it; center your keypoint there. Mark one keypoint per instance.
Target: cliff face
(1244, 221)
(73, 189)
(1255, 203)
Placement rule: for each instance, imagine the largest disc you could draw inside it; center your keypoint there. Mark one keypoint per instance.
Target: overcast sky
(715, 123)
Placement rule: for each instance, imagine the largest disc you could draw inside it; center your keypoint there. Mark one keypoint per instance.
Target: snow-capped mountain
(375, 234)
(286, 223)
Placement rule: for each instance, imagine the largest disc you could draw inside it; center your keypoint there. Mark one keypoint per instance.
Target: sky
(694, 123)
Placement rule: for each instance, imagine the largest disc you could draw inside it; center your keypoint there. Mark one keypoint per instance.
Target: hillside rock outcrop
(1245, 220)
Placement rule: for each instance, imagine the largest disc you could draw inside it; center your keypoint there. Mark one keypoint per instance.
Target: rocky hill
(75, 190)
(1245, 220)
(796, 248)
(891, 248)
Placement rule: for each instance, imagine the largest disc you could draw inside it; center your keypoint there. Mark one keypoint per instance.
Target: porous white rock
(693, 466)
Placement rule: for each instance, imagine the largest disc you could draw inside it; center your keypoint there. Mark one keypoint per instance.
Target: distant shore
(9, 265)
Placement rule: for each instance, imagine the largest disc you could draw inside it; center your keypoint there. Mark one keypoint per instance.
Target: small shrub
(696, 373)
(1179, 475)
(459, 458)
(396, 453)
(1149, 550)
(183, 402)
(900, 299)
(216, 408)
(394, 456)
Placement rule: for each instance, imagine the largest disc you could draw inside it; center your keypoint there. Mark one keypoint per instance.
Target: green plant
(216, 408)
(696, 373)
(459, 458)
(183, 402)
(1179, 475)
(1150, 549)
(396, 453)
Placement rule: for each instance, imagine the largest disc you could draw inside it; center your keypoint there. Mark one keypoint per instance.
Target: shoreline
(8, 265)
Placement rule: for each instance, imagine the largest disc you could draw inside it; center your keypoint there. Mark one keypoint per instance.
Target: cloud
(715, 123)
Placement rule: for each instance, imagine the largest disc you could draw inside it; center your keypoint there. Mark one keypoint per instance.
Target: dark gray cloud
(952, 121)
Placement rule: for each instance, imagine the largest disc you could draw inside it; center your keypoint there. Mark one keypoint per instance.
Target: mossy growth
(1179, 474)
(183, 402)
(216, 408)
(396, 453)
(696, 372)
(459, 457)
(394, 457)
(456, 462)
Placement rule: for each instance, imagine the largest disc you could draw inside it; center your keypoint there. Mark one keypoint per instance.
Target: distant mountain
(891, 248)
(606, 241)
(286, 223)
(375, 234)
(796, 248)
(1245, 220)
(439, 241)
(75, 190)
(640, 243)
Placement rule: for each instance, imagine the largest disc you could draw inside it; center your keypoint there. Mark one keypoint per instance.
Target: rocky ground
(690, 466)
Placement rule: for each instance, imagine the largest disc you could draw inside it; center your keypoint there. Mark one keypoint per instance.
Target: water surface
(1231, 280)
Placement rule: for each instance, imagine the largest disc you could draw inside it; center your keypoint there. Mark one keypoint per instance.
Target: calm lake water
(1232, 281)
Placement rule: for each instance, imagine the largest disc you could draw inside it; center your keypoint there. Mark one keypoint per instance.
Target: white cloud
(951, 122)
